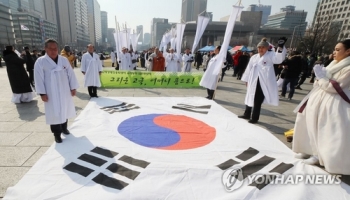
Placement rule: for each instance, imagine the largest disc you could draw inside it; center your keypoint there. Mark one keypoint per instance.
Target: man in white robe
(123, 60)
(187, 59)
(113, 58)
(260, 79)
(56, 83)
(92, 68)
(211, 75)
(172, 61)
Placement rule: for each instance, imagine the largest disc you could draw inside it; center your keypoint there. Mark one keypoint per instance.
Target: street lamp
(291, 42)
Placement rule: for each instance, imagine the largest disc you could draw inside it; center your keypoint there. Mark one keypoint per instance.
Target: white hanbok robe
(172, 62)
(124, 62)
(113, 57)
(262, 68)
(56, 81)
(187, 66)
(91, 66)
(322, 129)
(211, 75)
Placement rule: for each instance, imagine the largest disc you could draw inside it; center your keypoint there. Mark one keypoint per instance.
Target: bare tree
(322, 36)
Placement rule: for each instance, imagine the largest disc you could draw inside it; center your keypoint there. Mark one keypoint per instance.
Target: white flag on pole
(236, 11)
(24, 28)
(201, 26)
(180, 28)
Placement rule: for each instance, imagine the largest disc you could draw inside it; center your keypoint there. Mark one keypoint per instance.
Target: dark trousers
(92, 91)
(258, 100)
(235, 70)
(143, 63)
(59, 128)
(302, 78)
(223, 70)
(117, 67)
(210, 93)
(31, 77)
(240, 72)
(292, 82)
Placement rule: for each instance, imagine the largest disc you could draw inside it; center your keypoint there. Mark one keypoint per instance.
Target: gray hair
(50, 40)
(263, 43)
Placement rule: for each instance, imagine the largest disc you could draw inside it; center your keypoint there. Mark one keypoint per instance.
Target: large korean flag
(166, 148)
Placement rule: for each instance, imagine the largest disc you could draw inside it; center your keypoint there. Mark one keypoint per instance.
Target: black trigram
(102, 178)
(255, 166)
(191, 108)
(120, 108)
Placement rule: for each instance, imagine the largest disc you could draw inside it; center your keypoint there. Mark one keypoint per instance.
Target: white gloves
(320, 71)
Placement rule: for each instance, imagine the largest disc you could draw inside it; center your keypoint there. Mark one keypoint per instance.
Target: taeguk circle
(168, 132)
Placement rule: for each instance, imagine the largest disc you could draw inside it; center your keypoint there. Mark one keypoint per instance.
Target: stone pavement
(24, 137)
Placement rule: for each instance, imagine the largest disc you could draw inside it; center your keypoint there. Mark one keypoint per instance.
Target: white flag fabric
(236, 11)
(180, 29)
(134, 39)
(124, 36)
(173, 42)
(24, 28)
(168, 148)
(202, 24)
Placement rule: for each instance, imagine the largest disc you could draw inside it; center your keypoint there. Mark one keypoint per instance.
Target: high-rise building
(147, 38)
(104, 27)
(32, 31)
(265, 9)
(7, 35)
(139, 30)
(110, 38)
(289, 18)
(192, 8)
(336, 13)
(94, 17)
(36, 7)
(159, 27)
(16, 5)
(71, 18)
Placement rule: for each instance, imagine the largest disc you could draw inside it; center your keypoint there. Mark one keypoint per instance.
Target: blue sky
(141, 12)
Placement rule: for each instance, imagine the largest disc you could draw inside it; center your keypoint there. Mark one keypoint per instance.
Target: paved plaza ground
(24, 136)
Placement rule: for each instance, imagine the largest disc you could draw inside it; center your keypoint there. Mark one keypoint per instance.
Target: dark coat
(29, 61)
(294, 64)
(18, 76)
(243, 61)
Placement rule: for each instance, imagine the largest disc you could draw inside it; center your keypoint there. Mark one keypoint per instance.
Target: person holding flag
(260, 79)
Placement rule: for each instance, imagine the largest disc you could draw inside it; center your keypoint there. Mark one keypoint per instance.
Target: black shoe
(252, 121)
(209, 97)
(243, 117)
(66, 132)
(289, 99)
(298, 87)
(58, 138)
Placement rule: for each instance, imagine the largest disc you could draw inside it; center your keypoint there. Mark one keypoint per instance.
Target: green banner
(146, 79)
